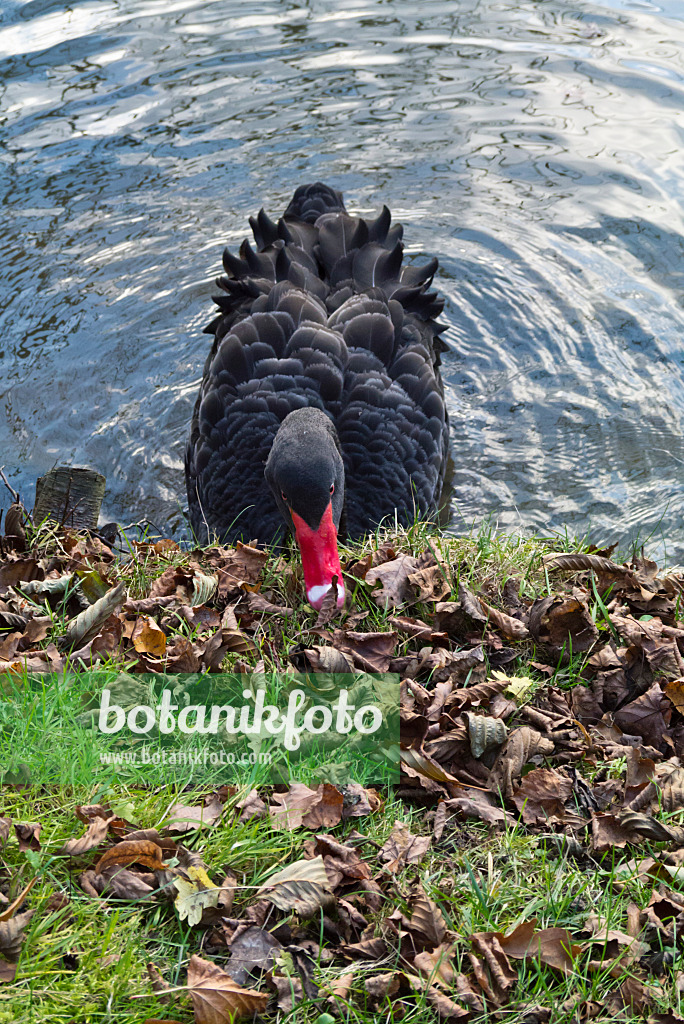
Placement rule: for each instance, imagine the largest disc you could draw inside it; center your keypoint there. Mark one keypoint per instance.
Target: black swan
(321, 407)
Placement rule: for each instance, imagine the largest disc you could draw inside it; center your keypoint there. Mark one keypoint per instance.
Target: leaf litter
(594, 767)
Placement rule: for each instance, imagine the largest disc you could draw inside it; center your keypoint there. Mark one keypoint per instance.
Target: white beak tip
(316, 595)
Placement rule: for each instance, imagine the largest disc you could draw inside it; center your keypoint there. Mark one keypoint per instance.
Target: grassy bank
(525, 868)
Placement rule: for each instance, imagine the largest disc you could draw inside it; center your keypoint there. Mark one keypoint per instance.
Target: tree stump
(72, 496)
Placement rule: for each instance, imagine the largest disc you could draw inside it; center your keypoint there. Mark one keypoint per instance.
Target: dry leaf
(216, 998)
(140, 851)
(302, 887)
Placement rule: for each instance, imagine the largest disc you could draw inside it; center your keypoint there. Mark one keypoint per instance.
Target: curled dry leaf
(329, 610)
(95, 834)
(216, 998)
(512, 629)
(485, 733)
(562, 625)
(137, 851)
(27, 832)
(580, 561)
(90, 619)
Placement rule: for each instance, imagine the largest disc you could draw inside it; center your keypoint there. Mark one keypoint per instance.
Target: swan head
(306, 475)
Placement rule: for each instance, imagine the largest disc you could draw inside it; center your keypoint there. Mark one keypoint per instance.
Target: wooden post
(72, 496)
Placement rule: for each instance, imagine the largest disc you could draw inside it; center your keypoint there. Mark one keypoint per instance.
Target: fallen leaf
(148, 638)
(184, 818)
(394, 579)
(216, 998)
(133, 852)
(403, 848)
(302, 887)
(196, 893)
(254, 948)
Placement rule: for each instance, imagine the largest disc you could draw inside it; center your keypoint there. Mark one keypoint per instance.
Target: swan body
(321, 408)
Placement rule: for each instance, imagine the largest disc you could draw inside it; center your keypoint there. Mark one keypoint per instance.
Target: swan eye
(283, 495)
(332, 488)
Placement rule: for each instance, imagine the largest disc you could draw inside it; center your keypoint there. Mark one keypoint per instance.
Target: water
(534, 147)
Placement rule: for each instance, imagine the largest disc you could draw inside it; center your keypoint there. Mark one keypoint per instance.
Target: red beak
(320, 559)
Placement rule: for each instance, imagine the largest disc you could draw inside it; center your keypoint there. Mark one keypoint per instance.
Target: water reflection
(533, 147)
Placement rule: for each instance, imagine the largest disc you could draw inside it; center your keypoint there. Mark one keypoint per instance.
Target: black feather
(322, 315)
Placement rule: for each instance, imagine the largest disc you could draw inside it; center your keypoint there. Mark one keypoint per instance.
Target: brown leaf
(521, 745)
(95, 834)
(328, 659)
(254, 947)
(541, 796)
(494, 973)
(394, 577)
(139, 851)
(382, 986)
(403, 848)
(446, 1008)
(473, 803)
(371, 652)
(7, 971)
(158, 984)
(512, 629)
(329, 610)
(359, 801)
(579, 561)
(607, 833)
(27, 833)
(430, 584)
(222, 642)
(258, 603)
(552, 946)
(293, 806)
(184, 818)
(427, 919)
(120, 882)
(12, 935)
(328, 811)
(648, 716)
(342, 863)
(675, 691)
(461, 617)
(89, 621)
(216, 998)
(15, 534)
(238, 567)
(252, 806)
(562, 626)
(148, 638)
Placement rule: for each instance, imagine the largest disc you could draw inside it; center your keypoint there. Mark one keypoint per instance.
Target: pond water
(533, 147)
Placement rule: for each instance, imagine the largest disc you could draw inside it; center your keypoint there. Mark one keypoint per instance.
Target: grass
(84, 960)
